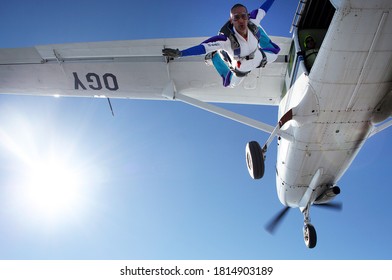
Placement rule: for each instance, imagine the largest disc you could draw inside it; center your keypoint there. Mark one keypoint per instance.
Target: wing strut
(381, 127)
(170, 93)
(224, 113)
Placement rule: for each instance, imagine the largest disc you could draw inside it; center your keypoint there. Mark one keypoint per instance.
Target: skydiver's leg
(235, 81)
(222, 68)
(270, 49)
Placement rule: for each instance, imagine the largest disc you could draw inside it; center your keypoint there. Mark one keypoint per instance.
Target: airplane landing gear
(255, 155)
(310, 236)
(255, 160)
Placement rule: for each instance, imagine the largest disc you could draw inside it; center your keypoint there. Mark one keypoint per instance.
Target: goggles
(237, 17)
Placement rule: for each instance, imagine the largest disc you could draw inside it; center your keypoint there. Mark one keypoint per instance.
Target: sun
(51, 183)
(52, 189)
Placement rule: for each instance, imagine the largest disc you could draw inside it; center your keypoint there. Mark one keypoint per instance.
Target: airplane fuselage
(335, 102)
(326, 142)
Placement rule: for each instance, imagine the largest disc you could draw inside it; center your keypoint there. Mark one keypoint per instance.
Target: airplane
(326, 112)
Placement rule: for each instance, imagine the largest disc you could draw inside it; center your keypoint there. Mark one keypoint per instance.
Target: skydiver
(310, 51)
(241, 45)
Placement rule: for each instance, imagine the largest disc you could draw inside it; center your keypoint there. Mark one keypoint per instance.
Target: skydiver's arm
(267, 5)
(196, 50)
(174, 53)
(212, 44)
(257, 15)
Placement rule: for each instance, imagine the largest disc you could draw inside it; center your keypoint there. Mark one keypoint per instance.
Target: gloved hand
(173, 53)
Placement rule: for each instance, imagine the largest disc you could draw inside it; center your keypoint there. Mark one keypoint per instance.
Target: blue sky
(162, 180)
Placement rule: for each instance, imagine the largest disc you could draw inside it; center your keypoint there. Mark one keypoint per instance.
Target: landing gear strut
(255, 155)
(310, 235)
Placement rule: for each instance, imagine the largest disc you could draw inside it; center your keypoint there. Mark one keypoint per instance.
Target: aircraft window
(291, 59)
(284, 90)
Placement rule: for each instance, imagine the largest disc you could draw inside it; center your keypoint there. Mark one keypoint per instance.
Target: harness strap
(228, 31)
(263, 62)
(239, 73)
(311, 52)
(249, 56)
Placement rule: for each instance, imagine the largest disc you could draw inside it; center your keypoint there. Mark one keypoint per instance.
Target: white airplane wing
(134, 70)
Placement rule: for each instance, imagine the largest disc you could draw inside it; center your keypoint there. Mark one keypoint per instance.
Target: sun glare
(49, 179)
(52, 189)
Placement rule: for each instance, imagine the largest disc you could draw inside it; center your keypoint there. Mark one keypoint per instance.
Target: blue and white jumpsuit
(250, 47)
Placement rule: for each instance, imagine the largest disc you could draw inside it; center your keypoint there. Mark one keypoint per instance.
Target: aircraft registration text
(95, 81)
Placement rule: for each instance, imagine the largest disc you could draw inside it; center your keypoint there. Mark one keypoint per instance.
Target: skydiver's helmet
(309, 40)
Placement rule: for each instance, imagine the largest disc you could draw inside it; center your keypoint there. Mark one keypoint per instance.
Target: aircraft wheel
(255, 160)
(310, 236)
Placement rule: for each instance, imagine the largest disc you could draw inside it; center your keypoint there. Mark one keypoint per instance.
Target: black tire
(255, 160)
(310, 236)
